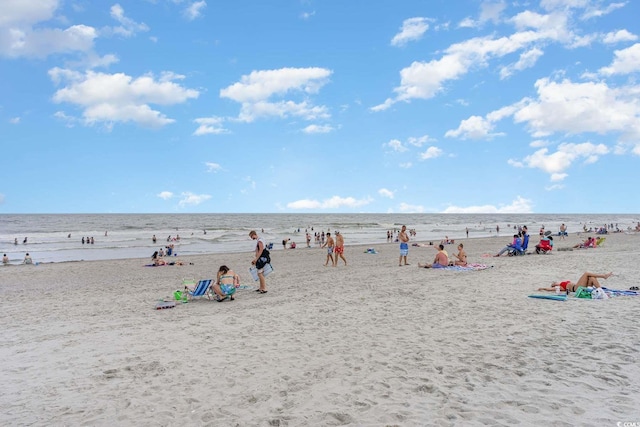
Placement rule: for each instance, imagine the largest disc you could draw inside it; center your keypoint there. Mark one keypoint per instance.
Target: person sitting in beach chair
(588, 243)
(516, 244)
(226, 284)
(525, 244)
(545, 246)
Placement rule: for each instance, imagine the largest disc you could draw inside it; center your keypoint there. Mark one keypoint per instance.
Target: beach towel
(468, 267)
(620, 292)
(161, 305)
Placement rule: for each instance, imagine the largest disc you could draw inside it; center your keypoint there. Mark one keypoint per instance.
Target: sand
(368, 344)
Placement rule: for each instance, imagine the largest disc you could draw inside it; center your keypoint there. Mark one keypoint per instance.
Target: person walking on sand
(587, 279)
(260, 260)
(403, 237)
(339, 249)
(329, 244)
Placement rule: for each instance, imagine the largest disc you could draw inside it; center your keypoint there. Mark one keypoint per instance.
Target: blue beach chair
(200, 290)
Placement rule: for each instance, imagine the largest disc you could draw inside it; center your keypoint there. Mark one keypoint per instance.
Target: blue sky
(319, 106)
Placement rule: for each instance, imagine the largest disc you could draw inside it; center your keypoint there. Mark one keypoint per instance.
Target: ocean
(58, 238)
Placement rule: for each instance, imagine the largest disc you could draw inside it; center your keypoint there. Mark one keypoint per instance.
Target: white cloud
(254, 91)
(193, 199)
(420, 141)
(558, 162)
(213, 167)
(396, 145)
(489, 11)
(165, 195)
(626, 61)
(575, 108)
(210, 125)
(24, 32)
(111, 98)
(594, 12)
(386, 193)
(332, 203)
(431, 153)
(412, 29)
(527, 60)
(406, 165)
(619, 36)
(318, 129)
(194, 10)
(14, 120)
(520, 205)
(128, 27)
(307, 15)
(407, 208)
(425, 80)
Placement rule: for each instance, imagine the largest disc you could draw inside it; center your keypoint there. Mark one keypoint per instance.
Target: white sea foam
(129, 235)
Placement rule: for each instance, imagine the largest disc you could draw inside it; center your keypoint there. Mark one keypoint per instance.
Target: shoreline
(277, 248)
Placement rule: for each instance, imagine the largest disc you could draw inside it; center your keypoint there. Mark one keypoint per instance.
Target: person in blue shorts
(403, 237)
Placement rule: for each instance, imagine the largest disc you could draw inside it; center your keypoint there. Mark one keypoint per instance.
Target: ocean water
(57, 238)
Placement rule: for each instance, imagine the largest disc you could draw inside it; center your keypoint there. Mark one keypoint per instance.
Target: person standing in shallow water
(404, 245)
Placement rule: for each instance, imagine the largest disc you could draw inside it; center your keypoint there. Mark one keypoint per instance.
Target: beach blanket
(468, 267)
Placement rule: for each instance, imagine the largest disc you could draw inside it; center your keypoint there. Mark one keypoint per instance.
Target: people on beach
(587, 279)
(545, 245)
(589, 242)
(563, 231)
(5, 259)
(339, 249)
(329, 244)
(403, 238)
(260, 260)
(227, 281)
(153, 239)
(156, 259)
(441, 260)
(27, 259)
(461, 256)
(515, 244)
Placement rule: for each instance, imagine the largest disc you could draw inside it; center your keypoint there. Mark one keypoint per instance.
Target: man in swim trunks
(587, 279)
(441, 260)
(403, 237)
(329, 244)
(339, 249)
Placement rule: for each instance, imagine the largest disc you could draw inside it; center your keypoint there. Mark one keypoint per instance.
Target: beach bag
(268, 269)
(599, 293)
(264, 259)
(582, 292)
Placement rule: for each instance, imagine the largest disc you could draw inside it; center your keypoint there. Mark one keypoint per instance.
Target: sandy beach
(367, 344)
